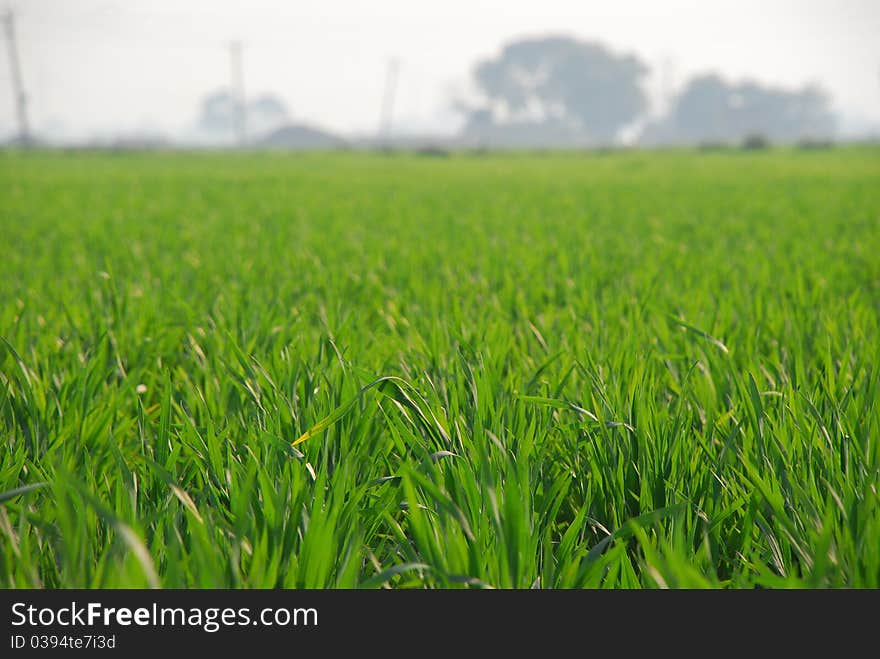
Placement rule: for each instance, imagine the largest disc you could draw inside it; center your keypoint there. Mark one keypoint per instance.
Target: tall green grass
(627, 370)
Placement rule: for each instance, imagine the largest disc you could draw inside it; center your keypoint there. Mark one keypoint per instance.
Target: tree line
(558, 90)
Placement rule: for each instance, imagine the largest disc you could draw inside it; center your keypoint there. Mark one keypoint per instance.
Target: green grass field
(559, 370)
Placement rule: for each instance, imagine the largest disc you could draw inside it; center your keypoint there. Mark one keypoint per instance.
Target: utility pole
(237, 91)
(24, 135)
(388, 101)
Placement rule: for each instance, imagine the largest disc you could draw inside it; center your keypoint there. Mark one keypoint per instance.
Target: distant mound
(300, 137)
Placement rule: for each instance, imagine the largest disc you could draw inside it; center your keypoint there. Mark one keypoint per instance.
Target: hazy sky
(101, 66)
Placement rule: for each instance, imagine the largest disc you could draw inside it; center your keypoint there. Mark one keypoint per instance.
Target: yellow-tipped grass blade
(339, 412)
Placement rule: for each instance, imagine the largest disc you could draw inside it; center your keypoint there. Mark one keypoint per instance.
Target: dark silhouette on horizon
(219, 113)
(545, 91)
(555, 90)
(710, 109)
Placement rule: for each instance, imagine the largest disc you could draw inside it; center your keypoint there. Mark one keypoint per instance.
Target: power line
(24, 135)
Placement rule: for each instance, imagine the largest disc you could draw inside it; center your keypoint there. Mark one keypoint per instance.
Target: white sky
(95, 66)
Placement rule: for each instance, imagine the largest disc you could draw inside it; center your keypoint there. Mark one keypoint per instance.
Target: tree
(710, 109)
(266, 113)
(560, 81)
(219, 110)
